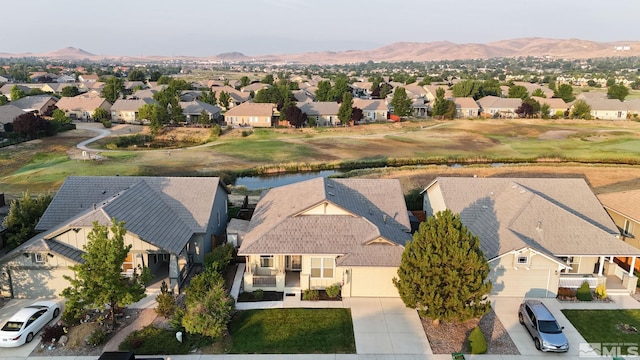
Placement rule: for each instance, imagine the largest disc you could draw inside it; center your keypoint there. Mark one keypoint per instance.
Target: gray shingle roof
(558, 217)
(374, 209)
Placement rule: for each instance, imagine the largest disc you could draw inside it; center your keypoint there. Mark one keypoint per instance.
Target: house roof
(131, 104)
(373, 209)
(466, 103)
(80, 102)
(554, 103)
(9, 112)
(252, 109)
(623, 202)
(319, 108)
(607, 104)
(35, 102)
(370, 104)
(195, 107)
(494, 102)
(558, 217)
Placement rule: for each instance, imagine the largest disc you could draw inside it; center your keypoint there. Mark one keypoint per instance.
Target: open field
(540, 147)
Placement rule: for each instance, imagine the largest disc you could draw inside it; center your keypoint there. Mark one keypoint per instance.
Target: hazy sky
(257, 27)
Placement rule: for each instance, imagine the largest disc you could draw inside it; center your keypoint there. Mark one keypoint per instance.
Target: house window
(628, 228)
(39, 259)
(218, 216)
(523, 260)
(322, 268)
(266, 261)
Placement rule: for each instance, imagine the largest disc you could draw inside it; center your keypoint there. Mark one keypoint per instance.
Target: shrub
(52, 332)
(584, 293)
(215, 132)
(566, 292)
(310, 295)
(601, 291)
(333, 291)
(477, 341)
(166, 304)
(97, 337)
(176, 320)
(106, 123)
(219, 258)
(258, 294)
(246, 133)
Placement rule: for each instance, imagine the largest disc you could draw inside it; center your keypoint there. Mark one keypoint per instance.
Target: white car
(25, 324)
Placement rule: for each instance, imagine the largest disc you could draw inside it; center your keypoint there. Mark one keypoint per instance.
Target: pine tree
(443, 272)
(401, 102)
(98, 281)
(346, 108)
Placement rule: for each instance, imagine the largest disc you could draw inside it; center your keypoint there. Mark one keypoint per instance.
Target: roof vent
(384, 218)
(332, 194)
(329, 185)
(539, 225)
(94, 206)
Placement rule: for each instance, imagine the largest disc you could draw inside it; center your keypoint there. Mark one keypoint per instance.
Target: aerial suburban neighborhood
(203, 207)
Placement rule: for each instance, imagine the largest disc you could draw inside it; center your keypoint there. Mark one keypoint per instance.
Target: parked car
(543, 327)
(25, 324)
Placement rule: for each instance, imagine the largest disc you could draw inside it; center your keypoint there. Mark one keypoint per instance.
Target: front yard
(293, 331)
(607, 326)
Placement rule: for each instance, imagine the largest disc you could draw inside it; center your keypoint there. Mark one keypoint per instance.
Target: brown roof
(624, 202)
(81, 103)
(252, 109)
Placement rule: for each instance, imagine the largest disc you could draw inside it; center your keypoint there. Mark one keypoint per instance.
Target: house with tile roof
(82, 107)
(323, 232)
(537, 234)
(324, 113)
(252, 114)
(623, 208)
(171, 223)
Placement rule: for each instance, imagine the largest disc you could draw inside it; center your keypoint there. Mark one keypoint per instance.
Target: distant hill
(396, 52)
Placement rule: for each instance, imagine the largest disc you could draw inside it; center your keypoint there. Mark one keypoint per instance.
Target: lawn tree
(443, 273)
(98, 282)
(295, 116)
(17, 93)
(565, 92)
(346, 108)
(357, 115)
(545, 109)
(401, 102)
(3, 99)
(69, 91)
(538, 93)
(340, 87)
(467, 88)
(100, 114)
(518, 91)
(528, 108)
(443, 108)
(112, 89)
(617, 91)
(204, 118)
(324, 88)
(268, 79)
(29, 125)
(209, 97)
(581, 110)
(208, 305)
(137, 75)
(23, 216)
(223, 99)
(244, 81)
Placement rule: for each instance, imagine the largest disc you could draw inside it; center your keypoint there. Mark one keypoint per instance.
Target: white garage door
(373, 282)
(32, 283)
(521, 282)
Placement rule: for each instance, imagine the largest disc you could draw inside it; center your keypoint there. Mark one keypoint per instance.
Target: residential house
(126, 110)
(82, 107)
(4, 79)
(431, 91)
(42, 77)
(633, 108)
(193, 110)
(87, 78)
(608, 109)
(236, 97)
(66, 79)
(38, 104)
(252, 114)
(372, 109)
(8, 113)
(557, 106)
(255, 87)
(466, 107)
(623, 208)
(498, 107)
(6, 89)
(142, 94)
(171, 224)
(538, 234)
(531, 88)
(56, 88)
(323, 232)
(303, 96)
(323, 113)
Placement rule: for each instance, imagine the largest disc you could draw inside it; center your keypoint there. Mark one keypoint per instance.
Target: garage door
(373, 282)
(520, 282)
(32, 283)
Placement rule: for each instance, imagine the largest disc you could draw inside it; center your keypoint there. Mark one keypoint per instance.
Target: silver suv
(543, 327)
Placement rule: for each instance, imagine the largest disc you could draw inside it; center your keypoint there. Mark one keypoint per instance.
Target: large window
(266, 261)
(628, 228)
(322, 268)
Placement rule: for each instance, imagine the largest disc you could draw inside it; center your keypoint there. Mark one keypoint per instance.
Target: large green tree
(346, 108)
(443, 273)
(323, 90)
(223, 99)
(3, 99)
(617, 91)
(17, 93)
(467, 88)
(24, 214)
(443, 108)
(137, 75)
(401, 103)
(564, 92)
(208, 305)
(340, 87)
(69, 91)
(113, 87)
(581, 110)
(518, 92)
(98, 281)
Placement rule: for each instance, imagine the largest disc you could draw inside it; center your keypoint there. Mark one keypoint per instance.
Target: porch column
(633, 265)
(600, 265)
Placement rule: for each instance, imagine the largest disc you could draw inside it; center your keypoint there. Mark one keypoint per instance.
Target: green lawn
(606, 326)
(293, 331)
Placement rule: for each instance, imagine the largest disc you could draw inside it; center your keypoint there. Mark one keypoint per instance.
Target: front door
(294, 262)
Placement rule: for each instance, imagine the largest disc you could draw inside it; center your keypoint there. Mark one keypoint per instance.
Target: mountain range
(396, 52)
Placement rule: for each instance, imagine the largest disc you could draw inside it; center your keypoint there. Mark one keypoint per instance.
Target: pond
(269, 181)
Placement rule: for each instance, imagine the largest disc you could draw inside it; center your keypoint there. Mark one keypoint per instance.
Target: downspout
(10, 282)
(548, 283)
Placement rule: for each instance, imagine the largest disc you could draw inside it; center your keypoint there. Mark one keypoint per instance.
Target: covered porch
(606, 271)
(273, 273)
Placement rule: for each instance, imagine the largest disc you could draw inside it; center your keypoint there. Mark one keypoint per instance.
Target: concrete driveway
(385, 326)
(506, 309)
(6, 312)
